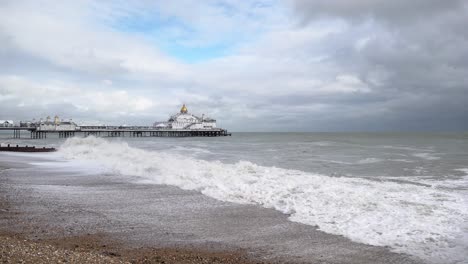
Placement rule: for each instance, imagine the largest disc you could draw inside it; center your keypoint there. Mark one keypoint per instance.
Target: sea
(404, 191)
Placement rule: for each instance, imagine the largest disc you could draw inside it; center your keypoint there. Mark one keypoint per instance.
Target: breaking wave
(369, 161)
(426, 156)
(424, 221)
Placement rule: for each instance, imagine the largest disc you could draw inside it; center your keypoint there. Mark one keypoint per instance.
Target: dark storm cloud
(395, 11)
(421, 49)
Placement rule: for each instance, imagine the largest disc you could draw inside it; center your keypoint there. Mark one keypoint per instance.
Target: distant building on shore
(6, 123)
(186, 120)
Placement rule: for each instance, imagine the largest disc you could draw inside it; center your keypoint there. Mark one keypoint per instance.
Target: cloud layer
(254, 66)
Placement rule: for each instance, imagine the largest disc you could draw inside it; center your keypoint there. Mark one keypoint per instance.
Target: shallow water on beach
(408, 191)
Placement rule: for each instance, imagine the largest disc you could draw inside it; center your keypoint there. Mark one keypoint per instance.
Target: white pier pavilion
(186, 120)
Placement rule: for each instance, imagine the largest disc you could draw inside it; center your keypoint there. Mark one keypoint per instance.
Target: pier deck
(114, 131)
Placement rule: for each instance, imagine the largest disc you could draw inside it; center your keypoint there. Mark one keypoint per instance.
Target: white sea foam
(359, 162)
(331, 161)
(424, 221)
(322, 143)
(458, 183)
(401, 160)
(191, 150)
(426, 156)
(429, 149)
(369, 161)
(80, 166)
(465, 170)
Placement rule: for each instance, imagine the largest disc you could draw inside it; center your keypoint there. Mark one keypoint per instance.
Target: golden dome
(183, 110)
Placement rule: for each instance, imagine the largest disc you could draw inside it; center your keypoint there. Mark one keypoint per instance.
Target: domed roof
(184, 110)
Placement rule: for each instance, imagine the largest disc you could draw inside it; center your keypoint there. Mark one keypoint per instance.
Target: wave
(419, 220)
(193, 150)
(426, 156)
(369, 161)
(359, 162)
(401, 160)
(428, 149)
(465, 170)
(322, 143)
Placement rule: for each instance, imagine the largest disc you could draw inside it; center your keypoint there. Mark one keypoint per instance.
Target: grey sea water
(334, 154)
(437, 155)
(407, 191)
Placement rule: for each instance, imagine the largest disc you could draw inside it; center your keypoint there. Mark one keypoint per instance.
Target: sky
(292, 65)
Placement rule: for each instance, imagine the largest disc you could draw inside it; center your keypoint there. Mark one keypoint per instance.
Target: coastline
(27, 246)
(17, 248)
(109, 217)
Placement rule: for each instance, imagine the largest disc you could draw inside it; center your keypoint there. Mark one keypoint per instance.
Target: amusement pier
(182, 124)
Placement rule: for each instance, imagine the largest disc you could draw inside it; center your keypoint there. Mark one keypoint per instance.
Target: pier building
(56, 125)
(186, 120)
(6, 123)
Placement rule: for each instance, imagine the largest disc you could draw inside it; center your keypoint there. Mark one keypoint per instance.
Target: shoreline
(161, 223)
(18, 248)
(35, 245)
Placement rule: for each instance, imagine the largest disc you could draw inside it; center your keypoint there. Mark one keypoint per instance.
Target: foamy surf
(424, 221)
(426, 156)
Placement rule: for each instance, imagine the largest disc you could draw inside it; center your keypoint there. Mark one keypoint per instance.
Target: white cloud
(327, 72)
(59, 33)
(15, 88)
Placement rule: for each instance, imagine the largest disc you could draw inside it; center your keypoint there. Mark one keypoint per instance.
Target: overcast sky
(292, 65)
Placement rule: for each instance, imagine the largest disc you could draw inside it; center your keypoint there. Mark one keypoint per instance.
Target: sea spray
(417, 219)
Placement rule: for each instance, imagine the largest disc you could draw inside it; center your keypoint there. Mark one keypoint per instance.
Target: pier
(115, 131)
(182, 124)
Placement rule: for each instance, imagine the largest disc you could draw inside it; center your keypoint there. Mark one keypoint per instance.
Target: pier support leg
(16, 133)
